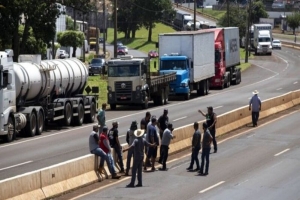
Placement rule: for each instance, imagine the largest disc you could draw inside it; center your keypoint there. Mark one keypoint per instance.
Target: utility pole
(115, 29)
(195, 7)
(104, 29)
(97, 33)
(83, 54)
(248, 33)
(228, 20)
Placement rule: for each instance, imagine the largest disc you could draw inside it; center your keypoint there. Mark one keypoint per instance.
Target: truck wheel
(145, 104)
(31, 126)
(160, 100)
(68, 114)
(90, 117)
(187, 96)
(40, 123)
(11, 134)
(80, 117)
(113, 106)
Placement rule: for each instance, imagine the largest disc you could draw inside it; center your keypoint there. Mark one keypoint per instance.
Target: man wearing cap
(165, 142)
(211, 120)
(255, 104)
(153, 139)
(101, 117)
(115, 143)
(94, 149)
(105, 146)
(129, 139)
(138, 146)
(162, 124)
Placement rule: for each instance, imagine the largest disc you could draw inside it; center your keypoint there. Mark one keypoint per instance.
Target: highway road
(272, 76)
(260, 163)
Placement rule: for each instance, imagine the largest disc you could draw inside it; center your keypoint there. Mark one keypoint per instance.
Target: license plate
(265, 49)
(123, 97)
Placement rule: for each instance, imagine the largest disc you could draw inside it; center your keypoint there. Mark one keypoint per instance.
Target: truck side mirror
(192, 64)
(155, 64)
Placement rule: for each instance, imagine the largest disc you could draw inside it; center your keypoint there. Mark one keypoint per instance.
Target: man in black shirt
(113, 136)
(211, 120)
(162, 125)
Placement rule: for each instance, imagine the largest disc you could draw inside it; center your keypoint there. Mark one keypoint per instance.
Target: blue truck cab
(179, 64)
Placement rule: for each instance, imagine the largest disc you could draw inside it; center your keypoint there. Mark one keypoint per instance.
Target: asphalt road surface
(261, 163)
(272, 76)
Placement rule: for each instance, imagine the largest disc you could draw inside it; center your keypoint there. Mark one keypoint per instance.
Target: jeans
(164, 155)
(119, 153)
(137, 166)
(194, 157)
(129, 156)
(103, 156)
(111, 167)
(205, 155)
(213, 134)
(255, 116)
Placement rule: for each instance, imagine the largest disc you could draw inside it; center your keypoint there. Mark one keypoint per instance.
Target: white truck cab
(263, 39)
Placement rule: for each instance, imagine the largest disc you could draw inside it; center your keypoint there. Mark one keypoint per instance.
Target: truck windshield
(173, 65)
(124, 71)
(264, 39)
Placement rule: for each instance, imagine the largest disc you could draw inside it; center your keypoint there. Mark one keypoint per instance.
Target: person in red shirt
(104, 145)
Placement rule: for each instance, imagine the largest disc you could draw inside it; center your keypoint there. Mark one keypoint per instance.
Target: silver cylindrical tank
(61, 75)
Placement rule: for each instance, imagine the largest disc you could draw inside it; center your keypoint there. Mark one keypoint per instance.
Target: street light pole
(228, 20)
(115, 29)
(248, 33)
(104, 29)
(195, 15)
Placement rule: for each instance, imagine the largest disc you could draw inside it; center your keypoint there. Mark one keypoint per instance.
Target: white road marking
(180, 165)
(179, 118)
(242, 182)
(15, 165)
(295, 82)
(154, 109)
(217, 107)
(279, 89)
(211, 187)
(281, 152)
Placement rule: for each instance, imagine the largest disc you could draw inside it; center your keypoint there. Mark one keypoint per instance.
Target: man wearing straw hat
(138, 146)
(255, 104)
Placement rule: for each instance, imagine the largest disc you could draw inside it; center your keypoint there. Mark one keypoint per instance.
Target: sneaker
(189, 168)
(139, 185)
(122, 171)
(163, 169)
(115, 176)
(153, 169)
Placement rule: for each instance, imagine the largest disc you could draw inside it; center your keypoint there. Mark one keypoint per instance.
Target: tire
(187, 96)
(160, 100)
(113, 106)
(68, 114)
(79, 119)
(11, 134)
(31, 126)
(40, 123)
(90, 117)
(201, 91)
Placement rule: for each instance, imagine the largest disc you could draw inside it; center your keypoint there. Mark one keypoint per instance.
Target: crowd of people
(143, 142)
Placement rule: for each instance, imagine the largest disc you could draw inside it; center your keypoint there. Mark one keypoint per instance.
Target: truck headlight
(270, 47)
(138, 88)
(258, 47)
(183, 84)
(109, 88)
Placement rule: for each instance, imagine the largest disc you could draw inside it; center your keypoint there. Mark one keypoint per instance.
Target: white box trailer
(232, 46)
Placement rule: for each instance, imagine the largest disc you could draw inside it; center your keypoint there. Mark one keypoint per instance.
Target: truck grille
(265, 46)
(123, 90)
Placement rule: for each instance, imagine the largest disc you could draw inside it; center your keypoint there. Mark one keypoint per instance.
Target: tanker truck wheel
(80, 118)
(40, 123)
(11, 130)
(90, 117)
(31, 126)
(68, 114)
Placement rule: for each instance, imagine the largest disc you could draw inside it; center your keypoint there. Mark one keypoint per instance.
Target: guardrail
(192, 11)
(58, 179)
(290, 44)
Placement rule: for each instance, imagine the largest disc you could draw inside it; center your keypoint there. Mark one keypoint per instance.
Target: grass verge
(244, 66)
(243, 54)
(214, 13)
(101, 82)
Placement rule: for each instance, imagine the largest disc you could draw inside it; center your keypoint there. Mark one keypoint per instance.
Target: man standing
(105, 146)
(196, 146)
(138, 147)
(211, 120)
(153, 139)
(115, 143)
(206, 143)
(162, 124)
(165, 142)
(145, 121)
(129, 139)
(255, 103)
(101, 117)
(94, 149)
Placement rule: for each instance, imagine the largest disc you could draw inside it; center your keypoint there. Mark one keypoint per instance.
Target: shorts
(152, 152)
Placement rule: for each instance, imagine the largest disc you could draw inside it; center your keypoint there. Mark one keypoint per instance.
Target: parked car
(121, 51)
(152, 54)
(124, 48)
(278, 5)
(276, 44)
(96, 65)
(63, 54)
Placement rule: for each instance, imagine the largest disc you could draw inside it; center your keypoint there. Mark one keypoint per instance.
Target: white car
(276, 44)
(63, 54)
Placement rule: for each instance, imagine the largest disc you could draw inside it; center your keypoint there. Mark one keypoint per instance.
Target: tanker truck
(35, 92)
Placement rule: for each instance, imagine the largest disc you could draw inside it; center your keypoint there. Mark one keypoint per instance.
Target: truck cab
(179, 64)
(126, 79)
(263, 39)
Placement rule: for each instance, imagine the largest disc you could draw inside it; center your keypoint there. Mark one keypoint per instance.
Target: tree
(293, 21)
(71, 38)
(70, 24)
(258, 11)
